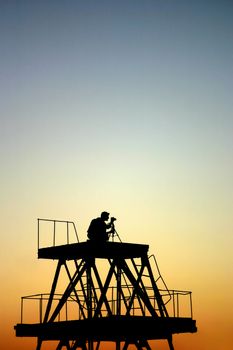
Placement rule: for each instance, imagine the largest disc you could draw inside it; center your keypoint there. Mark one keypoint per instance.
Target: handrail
(176, 307)
(55, 221)
(160, 277)
(175, 296)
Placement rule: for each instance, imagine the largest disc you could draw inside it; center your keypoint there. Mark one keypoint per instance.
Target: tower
(105, 292)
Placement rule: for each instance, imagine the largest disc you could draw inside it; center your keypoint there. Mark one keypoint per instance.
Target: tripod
(114, 233)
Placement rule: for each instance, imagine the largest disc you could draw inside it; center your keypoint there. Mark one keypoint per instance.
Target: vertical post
(66, 306)
(22, 310)
(89, 291)
(41, 298)
(178, 311)
(90, 344)
(54, 229)
(169, 339)
(67, 231)
(174, 304)
(191, 305)
(118, 345)
(39, 343)
(118, 305)
(38, 234)
(75, 231)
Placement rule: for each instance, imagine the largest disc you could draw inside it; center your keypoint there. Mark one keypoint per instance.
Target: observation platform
(112, 328)
(94, 249)
(121, 301)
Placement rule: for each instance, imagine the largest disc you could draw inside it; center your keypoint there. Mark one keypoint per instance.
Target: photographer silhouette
(99, 230)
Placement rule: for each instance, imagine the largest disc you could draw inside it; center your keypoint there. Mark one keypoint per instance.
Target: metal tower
(105, 292)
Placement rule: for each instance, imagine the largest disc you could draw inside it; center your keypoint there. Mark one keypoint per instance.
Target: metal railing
(176, 306)
(40, 302)
(69, 226)
(160, 281)
(75, 309)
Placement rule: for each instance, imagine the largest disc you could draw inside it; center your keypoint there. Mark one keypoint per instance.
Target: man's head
(104, 215)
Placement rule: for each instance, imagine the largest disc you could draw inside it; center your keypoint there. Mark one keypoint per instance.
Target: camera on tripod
(113, 231)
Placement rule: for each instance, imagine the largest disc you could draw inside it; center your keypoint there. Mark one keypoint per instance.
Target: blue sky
(90, 74)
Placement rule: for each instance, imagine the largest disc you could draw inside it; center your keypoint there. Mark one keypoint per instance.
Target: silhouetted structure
(111, 294)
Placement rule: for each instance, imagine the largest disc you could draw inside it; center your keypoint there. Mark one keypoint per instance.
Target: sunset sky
(124, 106)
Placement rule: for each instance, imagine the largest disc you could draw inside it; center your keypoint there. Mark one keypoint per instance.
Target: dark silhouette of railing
(40, 302)
(53, 230)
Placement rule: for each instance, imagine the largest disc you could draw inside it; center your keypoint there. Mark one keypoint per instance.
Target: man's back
(97, 230)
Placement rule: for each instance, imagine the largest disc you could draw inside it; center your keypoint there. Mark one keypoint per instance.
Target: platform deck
(117, 328)
(105, 250)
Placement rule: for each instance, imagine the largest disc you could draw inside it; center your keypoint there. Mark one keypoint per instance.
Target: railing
(160, 281)
(55, 228)
(75, 309)
(176, 307)
(40, 303)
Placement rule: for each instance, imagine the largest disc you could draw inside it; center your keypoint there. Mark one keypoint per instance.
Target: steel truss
(122, 292)
(104, 293)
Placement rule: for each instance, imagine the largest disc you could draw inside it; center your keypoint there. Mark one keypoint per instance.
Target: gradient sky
(123, 106)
